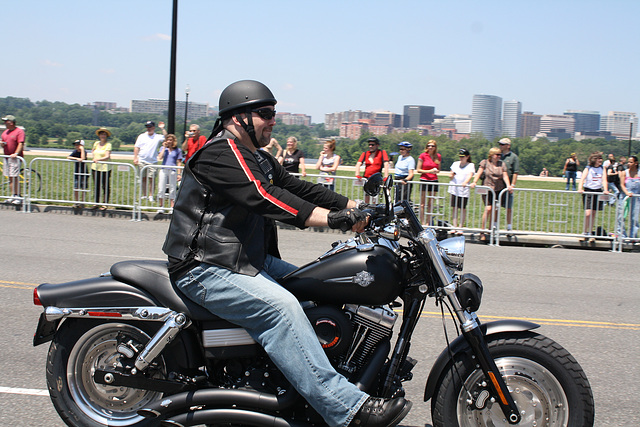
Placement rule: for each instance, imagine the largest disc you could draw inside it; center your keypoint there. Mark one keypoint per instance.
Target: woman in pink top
(429, 166)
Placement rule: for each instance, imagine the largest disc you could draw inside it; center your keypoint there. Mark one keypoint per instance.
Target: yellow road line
(552, 322)
(17, 285)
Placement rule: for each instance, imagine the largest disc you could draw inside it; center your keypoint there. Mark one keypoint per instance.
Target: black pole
(630, 136)
(186, 112)
(171, 126)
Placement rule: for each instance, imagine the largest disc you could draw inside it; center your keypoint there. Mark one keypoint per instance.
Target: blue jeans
(571, 175)
(275, 319)
(634, 211)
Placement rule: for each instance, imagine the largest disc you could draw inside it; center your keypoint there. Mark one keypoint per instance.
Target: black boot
(380, 412)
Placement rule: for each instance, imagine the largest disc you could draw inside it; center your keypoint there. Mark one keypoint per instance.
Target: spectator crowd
(615, 178)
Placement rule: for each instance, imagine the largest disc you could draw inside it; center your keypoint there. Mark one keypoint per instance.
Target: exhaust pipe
(229, 416)
(215, 396)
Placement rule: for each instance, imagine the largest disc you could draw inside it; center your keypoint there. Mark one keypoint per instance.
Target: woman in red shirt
(429, 166)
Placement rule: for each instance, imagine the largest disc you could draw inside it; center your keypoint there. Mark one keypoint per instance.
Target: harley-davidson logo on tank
(364, 279)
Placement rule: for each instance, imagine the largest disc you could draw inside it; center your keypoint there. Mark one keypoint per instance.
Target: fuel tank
(366, 274)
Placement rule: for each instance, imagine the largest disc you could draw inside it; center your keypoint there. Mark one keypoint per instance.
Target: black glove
(346, 218)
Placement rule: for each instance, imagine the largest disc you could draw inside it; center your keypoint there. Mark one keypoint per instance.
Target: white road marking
(29, 391)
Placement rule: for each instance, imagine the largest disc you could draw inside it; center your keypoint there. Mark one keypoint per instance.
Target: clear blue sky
(325, 56)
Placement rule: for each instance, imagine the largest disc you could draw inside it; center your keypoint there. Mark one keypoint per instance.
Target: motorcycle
(128, 349)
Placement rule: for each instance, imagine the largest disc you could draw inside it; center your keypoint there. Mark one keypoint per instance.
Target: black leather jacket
(228, 201)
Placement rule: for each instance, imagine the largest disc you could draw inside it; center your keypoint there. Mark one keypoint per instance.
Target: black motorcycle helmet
(243, 94)
(242, 97)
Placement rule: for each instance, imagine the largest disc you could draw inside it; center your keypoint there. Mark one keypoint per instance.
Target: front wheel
(77, 351)
(546, 382)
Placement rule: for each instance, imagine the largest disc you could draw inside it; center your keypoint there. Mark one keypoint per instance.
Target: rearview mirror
(373, 184)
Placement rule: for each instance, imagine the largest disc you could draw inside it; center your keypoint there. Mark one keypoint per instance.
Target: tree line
(57, 125)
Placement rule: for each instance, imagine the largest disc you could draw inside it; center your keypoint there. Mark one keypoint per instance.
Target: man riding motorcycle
(222, 249)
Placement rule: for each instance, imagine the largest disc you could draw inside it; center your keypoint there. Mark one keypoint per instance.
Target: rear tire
(77, 350)
(547, 383)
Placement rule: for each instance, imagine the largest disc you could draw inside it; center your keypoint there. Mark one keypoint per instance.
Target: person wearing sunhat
(79, 155)
(404, 168)
(101, 172)
(13, 143)
(145, 153)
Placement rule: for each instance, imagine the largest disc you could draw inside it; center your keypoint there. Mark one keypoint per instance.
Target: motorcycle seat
(153, 277)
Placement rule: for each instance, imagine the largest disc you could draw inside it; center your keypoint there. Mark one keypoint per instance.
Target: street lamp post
(172, 71)
(186, 111)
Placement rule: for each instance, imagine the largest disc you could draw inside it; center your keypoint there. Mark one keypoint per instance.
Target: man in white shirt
(145, 152)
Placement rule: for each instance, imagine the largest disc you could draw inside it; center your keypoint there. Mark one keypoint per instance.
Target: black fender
(95, 292)
(461, 345)
(90, 293)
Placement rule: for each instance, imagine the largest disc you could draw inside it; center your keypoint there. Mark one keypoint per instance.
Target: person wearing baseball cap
(404, 169)
(512, 165)
(13, 140)
(145, 152)
(374, 161)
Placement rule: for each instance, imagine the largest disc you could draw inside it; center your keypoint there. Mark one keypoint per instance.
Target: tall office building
(415, 115)
(486, 112)
(585, 121)
(530, 123)
(620, 124)
(512, 119)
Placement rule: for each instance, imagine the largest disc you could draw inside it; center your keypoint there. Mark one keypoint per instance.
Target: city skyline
(331, 56)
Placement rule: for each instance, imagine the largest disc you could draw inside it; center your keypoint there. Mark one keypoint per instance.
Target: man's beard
(264, 140)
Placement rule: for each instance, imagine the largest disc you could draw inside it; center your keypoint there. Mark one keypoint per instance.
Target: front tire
(547, 383)
(78, 349)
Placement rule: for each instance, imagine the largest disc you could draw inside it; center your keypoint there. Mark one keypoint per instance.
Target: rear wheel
(546, 382)
(77, 351)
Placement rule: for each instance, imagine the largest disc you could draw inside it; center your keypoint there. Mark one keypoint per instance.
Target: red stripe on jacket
(268, 197)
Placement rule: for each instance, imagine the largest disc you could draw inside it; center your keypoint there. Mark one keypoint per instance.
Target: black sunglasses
(265, 113)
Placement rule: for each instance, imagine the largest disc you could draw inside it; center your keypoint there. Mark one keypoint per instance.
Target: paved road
(586, 300)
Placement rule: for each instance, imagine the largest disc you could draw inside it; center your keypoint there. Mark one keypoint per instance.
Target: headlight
(452, 252)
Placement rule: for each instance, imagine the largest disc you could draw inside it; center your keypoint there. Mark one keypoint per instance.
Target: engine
(349, 336)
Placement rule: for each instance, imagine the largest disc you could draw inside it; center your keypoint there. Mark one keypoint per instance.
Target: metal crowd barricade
(557, 213)
(161, 188)
(23, 183)
(57, 183)
(535, 212)
(627, 222)
(440, 215)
